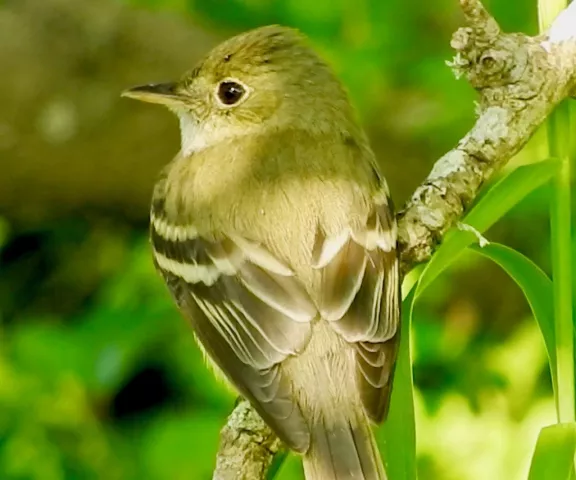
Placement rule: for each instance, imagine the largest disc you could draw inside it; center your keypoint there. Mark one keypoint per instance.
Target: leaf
(398, 434)
(559, 134)
(278, 461)
(494, 204)
(399, 431)
(554, 454)
(537, 288)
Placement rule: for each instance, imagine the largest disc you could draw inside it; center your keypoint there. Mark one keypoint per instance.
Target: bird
(274, 231)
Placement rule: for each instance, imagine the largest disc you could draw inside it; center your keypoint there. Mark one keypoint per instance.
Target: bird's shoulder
(285, 183)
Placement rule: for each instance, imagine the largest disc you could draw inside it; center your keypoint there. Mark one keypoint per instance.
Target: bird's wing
(248, 311)
(360, 297)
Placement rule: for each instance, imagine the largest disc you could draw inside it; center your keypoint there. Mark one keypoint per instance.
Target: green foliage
(554, 454)
(56, 382)
(399, 438)
(560, 222)
(168, 445)
(398, 435)
(537, 289)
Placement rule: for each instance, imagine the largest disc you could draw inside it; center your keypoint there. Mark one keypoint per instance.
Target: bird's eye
(230, 92)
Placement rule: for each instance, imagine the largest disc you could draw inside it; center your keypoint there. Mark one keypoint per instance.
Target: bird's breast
(223, 192)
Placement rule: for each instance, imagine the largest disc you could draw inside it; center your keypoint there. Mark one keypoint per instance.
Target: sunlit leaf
(290, 469)
(398, 435)
(537, 288)
(553, 458)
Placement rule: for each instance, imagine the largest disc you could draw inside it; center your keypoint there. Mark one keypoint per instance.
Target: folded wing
(248, 311)
(360, 298)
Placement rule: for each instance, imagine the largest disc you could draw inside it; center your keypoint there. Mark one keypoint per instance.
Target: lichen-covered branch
(519, 79)
(247, 446)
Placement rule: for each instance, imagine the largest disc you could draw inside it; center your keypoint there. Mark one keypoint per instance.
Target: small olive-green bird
(275, 233)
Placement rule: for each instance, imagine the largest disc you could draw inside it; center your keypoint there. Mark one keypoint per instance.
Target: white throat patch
(196, 136)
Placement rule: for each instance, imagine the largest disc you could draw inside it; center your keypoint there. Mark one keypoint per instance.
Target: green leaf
(278, 462)
(399, 431)
(559, 132)
(537, 288)
(554, 454)
(494, 204)
(398, 434)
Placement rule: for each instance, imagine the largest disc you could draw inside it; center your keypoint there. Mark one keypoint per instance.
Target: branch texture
(247, 446)
(519, 79)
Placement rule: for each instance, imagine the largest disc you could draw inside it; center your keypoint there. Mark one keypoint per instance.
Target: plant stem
(560, 222)
(560, 225)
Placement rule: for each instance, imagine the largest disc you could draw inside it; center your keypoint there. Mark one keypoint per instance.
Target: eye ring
(230, 92)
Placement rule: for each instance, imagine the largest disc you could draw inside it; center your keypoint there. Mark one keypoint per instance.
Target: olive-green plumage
(276, 236)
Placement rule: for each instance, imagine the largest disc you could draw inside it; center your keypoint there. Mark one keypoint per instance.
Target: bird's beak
(161, 93)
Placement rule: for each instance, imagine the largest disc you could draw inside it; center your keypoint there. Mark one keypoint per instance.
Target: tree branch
(520, 79)
(247, 446)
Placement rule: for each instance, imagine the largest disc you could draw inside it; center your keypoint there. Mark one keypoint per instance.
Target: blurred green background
(99, 376)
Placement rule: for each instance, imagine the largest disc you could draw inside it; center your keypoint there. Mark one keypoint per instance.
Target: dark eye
(230, 92)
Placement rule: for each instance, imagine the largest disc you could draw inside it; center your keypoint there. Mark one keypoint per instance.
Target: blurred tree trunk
(67, 140)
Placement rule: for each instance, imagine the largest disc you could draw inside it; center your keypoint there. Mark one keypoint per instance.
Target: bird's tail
(343, 449)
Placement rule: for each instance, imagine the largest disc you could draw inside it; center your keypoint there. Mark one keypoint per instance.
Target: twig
(247, 446)
(520, 79)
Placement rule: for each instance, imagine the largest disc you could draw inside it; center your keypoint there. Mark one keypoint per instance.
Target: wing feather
(360, 298)
(248, 311)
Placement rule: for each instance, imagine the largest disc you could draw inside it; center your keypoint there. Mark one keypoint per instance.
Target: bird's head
(264, 78)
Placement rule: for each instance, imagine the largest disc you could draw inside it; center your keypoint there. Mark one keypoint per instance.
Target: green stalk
(560, 224)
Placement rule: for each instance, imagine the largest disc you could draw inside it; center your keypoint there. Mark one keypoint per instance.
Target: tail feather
(343, 450)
